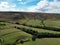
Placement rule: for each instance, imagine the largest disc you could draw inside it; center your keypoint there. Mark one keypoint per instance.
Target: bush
(18, 28)
(21, 41)
(2, 24)
(15, 27)
(34, 38)
(17, 23)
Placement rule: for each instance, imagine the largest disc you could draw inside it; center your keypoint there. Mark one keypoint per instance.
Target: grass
(45, 41)
(4, 25)
(36, 29)
(11, 38)
(10, 34)
(51, 23)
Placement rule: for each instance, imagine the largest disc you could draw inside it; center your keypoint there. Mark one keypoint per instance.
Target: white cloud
(45, 6)
(39, 5)
(53, 7)
(42, 6)
(5, 6)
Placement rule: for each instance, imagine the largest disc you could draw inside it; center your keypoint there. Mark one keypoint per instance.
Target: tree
(18, 16)
(21, 41)
(34, 38)
(42, 18)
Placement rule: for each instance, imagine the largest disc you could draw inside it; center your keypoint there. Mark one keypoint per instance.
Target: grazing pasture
(29, 29)
(10, 34)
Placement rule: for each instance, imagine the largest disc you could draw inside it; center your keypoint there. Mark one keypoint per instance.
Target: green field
(51, 23)
(45, 41)
(9, 34)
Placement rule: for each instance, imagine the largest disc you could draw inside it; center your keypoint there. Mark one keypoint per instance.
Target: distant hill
(33, 15)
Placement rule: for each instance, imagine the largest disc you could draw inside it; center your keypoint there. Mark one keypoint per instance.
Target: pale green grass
(10, 35)
(36, 29)
(2, 27)
(11, 38)
(13, 34)
(51, 23)
(45, 41)
(6, 31)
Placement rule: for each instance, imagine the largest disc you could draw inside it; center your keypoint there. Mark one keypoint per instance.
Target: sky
(46, 6)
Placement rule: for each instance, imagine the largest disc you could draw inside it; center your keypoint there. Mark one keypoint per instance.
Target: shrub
(17, 23)
(21, 41)
(34, 38)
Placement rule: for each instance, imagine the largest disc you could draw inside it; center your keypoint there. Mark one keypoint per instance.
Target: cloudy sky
(47, 6)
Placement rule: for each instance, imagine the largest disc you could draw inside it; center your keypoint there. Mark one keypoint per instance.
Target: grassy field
(51, 23)
(45, 41)
(9, 34)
